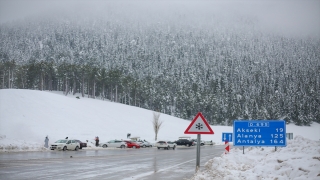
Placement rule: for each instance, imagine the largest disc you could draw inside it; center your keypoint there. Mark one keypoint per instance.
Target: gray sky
(286, 16)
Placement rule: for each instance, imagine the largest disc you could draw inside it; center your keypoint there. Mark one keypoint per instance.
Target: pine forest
(227, 67)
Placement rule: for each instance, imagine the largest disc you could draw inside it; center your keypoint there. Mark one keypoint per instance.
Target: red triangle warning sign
(199, 125)
(227, 148)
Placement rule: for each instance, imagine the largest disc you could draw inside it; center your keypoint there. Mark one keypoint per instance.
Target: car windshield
(61, 141)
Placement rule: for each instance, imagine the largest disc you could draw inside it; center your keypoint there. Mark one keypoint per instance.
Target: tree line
(226, 75)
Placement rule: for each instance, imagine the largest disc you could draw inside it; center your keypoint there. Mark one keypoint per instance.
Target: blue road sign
(226, 137)
(259, 133)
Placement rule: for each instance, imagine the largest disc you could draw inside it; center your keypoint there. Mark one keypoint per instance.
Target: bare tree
(156, 124)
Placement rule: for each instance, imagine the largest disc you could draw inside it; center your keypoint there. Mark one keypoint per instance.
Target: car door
(69, 144)
(73, 144)
(118, 143)
(111, 143)
(184, 142)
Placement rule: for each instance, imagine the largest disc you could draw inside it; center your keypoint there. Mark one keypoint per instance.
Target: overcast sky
(289, 16)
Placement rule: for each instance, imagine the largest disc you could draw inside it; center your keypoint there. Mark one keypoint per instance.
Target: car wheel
(77, 148)
(174, 147)
(64, 148)
(122, 146)
(104, 146)
(168, 147)
(158, 148)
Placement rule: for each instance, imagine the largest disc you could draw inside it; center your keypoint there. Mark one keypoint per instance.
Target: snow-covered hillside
(28, 116)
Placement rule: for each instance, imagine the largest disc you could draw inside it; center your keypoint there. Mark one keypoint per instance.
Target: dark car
(82, 144)
(184, 142)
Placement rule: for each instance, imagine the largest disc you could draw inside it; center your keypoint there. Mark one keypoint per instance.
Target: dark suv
(184, 142)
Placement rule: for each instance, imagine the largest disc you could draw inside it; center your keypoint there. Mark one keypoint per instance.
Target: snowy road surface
(144, 163)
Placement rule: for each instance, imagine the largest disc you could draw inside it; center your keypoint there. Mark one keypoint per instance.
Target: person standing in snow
(46, 141)
(97, 141)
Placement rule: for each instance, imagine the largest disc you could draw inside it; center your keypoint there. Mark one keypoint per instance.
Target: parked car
(202, 143)
(114, 143)
(131, 144)
(195, 142)
(65, 144)
(184, 142)
(166, 145)
(144, 143)
(82, 144)
(208, 143)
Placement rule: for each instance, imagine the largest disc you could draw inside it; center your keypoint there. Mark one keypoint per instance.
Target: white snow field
(28, 116)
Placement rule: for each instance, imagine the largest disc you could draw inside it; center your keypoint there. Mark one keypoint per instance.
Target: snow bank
(299, 160)
(14, 145)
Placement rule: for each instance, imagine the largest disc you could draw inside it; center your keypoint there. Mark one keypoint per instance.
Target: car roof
(67, 139)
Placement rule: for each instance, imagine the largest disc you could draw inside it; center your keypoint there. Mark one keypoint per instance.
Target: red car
(133, 145)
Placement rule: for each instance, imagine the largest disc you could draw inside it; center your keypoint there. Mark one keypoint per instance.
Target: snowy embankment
(8, 145)
(299, 160)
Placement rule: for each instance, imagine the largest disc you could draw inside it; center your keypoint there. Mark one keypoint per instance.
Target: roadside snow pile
(299, 160)
(13, 145)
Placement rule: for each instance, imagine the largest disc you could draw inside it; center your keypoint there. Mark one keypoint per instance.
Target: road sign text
(259, 133)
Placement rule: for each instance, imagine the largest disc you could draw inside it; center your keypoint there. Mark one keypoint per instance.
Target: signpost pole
(198, 125)
(198, 151)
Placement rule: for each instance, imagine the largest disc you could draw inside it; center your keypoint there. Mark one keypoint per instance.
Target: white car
(195, 142)
(166, 145)
(144, 143)
(209, 143)
(65, 144)
(114, 143)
